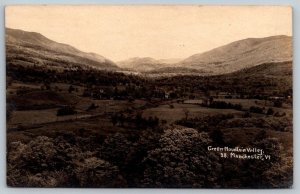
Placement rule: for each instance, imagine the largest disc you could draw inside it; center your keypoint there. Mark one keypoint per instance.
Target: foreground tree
(182, 160)
(48, 162)
(94, 172)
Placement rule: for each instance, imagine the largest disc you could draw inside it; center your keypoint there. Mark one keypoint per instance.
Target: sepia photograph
(149, 96)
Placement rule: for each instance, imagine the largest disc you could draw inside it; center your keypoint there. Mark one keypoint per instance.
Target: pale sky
(122, 32)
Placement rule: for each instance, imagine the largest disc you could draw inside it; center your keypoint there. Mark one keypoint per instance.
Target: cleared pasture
(175, 111)
(32, 117)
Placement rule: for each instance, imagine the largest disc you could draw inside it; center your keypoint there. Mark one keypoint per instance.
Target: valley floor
(100, 130)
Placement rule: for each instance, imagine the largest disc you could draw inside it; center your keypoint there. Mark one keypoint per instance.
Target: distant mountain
(139, 64)
(145, 64)
(177, 70)
(241, 54)
(28, 48)
(31, 48)
(170, 60)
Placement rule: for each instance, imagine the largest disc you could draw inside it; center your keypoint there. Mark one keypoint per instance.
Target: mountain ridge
(144, 64)
(242, 54)
(33, 43)
(35, 48)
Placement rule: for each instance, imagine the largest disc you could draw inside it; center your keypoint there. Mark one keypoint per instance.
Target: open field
(175, 111)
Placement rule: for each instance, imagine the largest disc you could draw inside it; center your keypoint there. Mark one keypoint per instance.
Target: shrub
(256, 109)
(217, 137)
(225, 105)
(247, 115)
(278, 103)
(92, 106)
(66, 110)
(270, 111)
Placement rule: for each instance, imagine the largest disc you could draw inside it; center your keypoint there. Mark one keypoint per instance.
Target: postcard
(149, 96)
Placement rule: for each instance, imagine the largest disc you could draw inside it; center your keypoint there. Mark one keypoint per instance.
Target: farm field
(175, 111)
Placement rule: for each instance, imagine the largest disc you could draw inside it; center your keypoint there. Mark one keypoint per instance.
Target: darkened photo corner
(149, 96)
